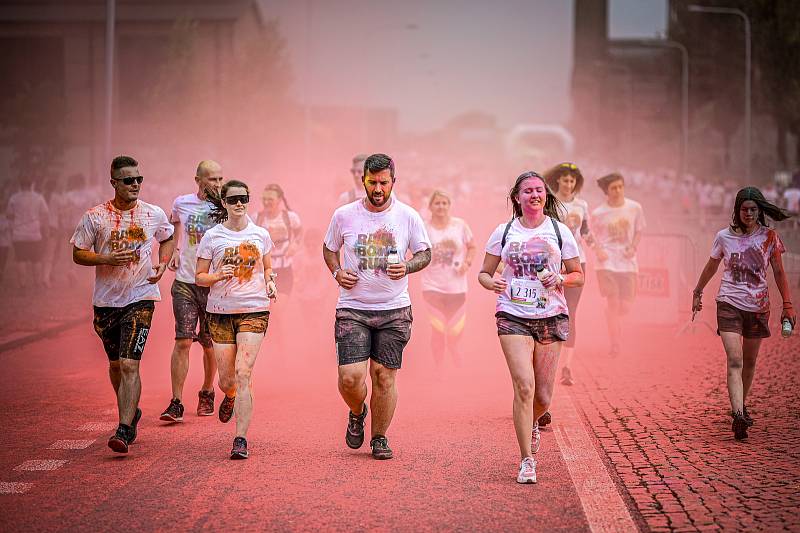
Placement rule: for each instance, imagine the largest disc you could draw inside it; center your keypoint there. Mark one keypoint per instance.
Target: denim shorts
(543, 330)
(378, 335)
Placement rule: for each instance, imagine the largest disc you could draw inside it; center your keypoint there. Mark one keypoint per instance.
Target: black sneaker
(205, 403)
(239, 450)
(134, 423)
(747, 417)
(355, 429)
(739, 427)
(380, 447)
(174, 412)
(226, 408)
(119, 441)
(545, 419)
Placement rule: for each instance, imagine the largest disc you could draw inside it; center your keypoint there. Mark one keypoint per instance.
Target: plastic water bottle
(393, 258)
(541, 271)
(786, 327)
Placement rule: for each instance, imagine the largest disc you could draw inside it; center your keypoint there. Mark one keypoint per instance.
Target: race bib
(524, 291)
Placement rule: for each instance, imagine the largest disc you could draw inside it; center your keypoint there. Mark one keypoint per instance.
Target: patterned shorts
(748, 324)
(189, 307)
(124, 330)
(543, 330)
(379, 335)
(225, 327)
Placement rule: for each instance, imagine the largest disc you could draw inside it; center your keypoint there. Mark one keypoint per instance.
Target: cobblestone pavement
(661, 416)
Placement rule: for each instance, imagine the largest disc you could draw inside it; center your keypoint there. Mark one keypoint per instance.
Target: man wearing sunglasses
(117, 239)
(190, 216)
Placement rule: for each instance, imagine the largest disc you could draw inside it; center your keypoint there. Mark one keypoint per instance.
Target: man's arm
(345, 278)
(90, 258)
(174, 262)
(419, 261)
(165, 250)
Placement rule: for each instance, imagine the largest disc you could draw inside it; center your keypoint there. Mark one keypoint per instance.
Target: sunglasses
(130, 179)
(571, 166)
(243, 199)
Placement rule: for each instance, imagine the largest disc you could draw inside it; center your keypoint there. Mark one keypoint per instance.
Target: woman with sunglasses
(566, 181)
(233, 258)
(286, 231)
(532, 313)
(746, 248)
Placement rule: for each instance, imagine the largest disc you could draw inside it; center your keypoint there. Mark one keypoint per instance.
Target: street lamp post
(747, 74)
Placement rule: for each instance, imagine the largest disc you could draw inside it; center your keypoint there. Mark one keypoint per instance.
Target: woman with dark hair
(286, 231)
(444, 282)
(233, 258)
(531, 311)
(746, 248)
(566, 181)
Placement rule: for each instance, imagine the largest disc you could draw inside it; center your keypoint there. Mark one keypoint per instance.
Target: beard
(380, 203)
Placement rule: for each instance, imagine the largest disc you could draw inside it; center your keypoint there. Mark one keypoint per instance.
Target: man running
(373, 314)
(117, 239)
(357, 191)
(618, 226)
(190, 216)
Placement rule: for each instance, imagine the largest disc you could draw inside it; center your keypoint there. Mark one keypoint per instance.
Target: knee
(113, 367)
(243, 374)
(351, 381)
(543, 397)
(226, 383)
(735, 363)
(129, 368)
(183, 345)
(524, 390)
(383, 379)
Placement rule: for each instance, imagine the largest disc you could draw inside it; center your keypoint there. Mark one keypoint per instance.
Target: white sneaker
(527, 471)
(536, 438)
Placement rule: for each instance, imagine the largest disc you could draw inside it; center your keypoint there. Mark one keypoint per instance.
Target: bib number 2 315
(524, 291)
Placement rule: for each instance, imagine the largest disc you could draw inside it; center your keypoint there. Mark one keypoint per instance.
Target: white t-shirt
(613, 229)
(526, 249)
(193, 215)
(246, 291)
(574, 215)
(448, 253)
(792, 198)
(281, 237)
(365, 238)
(107, 229)
(350, 196)
(28, 214)
(745, 261)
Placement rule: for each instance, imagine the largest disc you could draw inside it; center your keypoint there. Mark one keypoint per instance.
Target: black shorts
(379, 335)
(748, 324)
(124, 330)
(446, 303)
(189, 307)
(225, 327)
(617, 285)
(543, 330)
(29, 251)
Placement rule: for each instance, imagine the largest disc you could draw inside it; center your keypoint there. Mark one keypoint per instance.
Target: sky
(435, 59)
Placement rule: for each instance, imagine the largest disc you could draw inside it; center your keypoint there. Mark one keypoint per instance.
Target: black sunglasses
(130, 179)
(238, 198)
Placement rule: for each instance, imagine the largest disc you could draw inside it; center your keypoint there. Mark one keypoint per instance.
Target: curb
(39, 335)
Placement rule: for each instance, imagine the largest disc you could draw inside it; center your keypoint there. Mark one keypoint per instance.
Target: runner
(746, 248)
(566, 181)
(233, 258)
(285, 230)
(357, 171)
(444, 283)
(617, 228)
(532, 313)
(190, 216)
(373, 314)
(29, 219)
(117, 239)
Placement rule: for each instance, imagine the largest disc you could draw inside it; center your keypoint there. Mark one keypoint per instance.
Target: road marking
(71, 444)
(602, 504)
(13, 487)
(97, 426)
(41, 464)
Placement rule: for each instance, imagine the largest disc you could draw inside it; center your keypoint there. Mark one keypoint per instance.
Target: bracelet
(336, 271)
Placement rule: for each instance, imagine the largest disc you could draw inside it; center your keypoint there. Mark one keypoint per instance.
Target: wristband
(336, 271)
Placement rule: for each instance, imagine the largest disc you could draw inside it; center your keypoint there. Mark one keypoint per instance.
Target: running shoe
(747, 417)
(119, 441)
(739, 427)
(226, 408)
(380, 447)
(566, 377)
(355, 429)
(205, 403)
(174, 412)
(536, 438)
(134, 423)
(527, 471)
(239, 450)
(545, 419)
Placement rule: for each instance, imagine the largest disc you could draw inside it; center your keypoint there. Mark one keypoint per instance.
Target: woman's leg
(225, 354)
(518, 350)
(438, 325)
(732, 342)
(750, 349)
(456, 316)
(545, 363)
(247, 346)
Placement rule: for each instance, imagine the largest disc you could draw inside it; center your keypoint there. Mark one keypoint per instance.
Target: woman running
(233, 258)
(532, 313)
(444, 282)
(286, 231)
(746, 248)
(567, 181)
